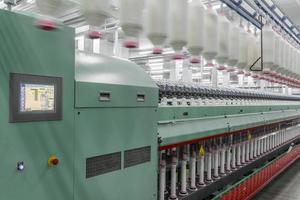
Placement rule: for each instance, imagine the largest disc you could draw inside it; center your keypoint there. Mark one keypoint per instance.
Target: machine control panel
(20, 166)
(53, 161)
(35, 98)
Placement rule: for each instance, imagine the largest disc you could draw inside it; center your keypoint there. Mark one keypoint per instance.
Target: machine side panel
(103, 134)
(116, 96)
(177, 131)
(25, 49)
(177, 113)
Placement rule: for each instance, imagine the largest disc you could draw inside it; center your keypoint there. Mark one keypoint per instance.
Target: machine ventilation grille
(99, 165)
(137, 156)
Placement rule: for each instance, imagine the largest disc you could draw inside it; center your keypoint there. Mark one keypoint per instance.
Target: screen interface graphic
(37, 98)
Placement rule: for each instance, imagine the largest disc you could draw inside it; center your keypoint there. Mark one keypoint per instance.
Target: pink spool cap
(46, 24)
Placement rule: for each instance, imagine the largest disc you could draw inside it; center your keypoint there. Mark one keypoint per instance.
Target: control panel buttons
(53, 161)
(20, 166)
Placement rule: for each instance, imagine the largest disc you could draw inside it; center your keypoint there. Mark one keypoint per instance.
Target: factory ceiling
(290, 8)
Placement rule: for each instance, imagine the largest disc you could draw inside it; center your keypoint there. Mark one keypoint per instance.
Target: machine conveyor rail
(177, 90)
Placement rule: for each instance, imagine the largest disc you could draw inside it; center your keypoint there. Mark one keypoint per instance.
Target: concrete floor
(284, 187)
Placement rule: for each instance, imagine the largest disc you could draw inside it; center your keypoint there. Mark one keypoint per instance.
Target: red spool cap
(266, 72)
(178, 56)
(157, 51)
(131, 44)
(230, 70)
(210, 65)
(221, 68)
(273, 74)
(46, 25)
(195, 61)
(95, 35)
(248, 74)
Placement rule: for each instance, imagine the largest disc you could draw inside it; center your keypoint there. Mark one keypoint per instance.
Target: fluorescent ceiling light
(247, 7)
(145, 52)
(82, 29)
(279, 13)
(156, 60)
(269, 2)
(288, 23)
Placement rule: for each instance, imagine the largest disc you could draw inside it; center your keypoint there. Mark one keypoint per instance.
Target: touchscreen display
(37, 98)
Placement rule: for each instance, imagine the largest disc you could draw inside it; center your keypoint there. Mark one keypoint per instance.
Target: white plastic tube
(177, 31)
(209, 167)
(255, 148)
(243, 153)
(259, 147)
(210, 49)
(183, 191)
(201, 174)
(262, 146)
(223, 42)
(162, 180)
(216, 163)
(285, 58)
(268, 44)
(228, 159)
(252, 57)
(251, 157)
(267, 143)
(281, 55)
(234, 43)
(157, 13)
(243, 49)
(238, 155)
(131, 12)
(198, 165)
(173, 194)
(247, 157)
(196, 14)
(193, 171)
(96, 11)
(233, 156)
(222, 163)
(277, 55)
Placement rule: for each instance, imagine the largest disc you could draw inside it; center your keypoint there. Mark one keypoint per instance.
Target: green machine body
(74, 126)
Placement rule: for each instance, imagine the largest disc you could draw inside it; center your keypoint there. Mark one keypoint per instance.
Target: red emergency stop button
(53, 161)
